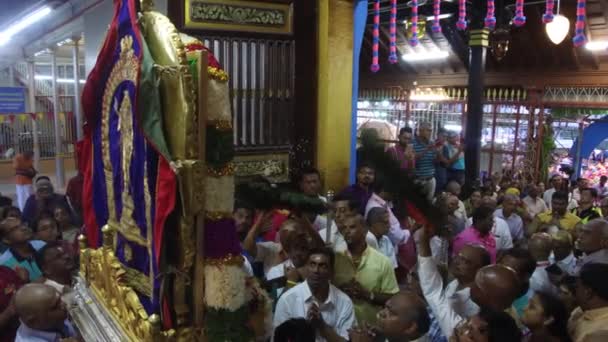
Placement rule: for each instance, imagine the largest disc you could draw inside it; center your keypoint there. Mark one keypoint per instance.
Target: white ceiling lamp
(597, 45)
(9, 32)
(425, 56)
(558, 29)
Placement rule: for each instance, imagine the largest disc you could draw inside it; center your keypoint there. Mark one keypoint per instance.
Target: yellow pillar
(335, 73)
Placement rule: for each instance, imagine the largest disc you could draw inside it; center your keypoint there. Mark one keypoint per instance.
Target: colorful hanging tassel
(579, 28)
(414, 39)
(548, 16)
(436, 11)
(519, 19)
(461, 24)
(376, 37)
(490, 21)
(392, 57)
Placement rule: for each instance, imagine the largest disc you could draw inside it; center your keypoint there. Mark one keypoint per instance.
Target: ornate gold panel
(238, 15)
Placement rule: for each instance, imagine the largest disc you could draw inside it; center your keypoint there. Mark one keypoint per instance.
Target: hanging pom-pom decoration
(579, 28)
(436, 11)
(490, 21)
(461, 24)
(548, 16)
(376, 37)
(392, 57)
(414, 39)
(519, 19)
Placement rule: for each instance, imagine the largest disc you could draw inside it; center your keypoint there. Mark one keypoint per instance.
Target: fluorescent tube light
(59, 80)
(425, 56)
(8, 33)
(597, 45)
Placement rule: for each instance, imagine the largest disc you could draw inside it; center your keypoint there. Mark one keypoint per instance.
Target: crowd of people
(514, 261)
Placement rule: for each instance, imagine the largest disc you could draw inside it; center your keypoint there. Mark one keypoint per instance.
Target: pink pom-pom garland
(519, 19)
(579, 28)
(436, 28)
(461, 24)
(392, 57)
(490, 21)
(376, 37)
(549, 7)
(414, 39)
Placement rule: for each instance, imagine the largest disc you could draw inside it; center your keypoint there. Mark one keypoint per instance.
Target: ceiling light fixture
(558, 29)
(8, 33)
(431, 18)
(598, 45)
(425, 56)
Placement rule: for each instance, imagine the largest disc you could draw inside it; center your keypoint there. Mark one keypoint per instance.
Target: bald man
(42, 313)
(540, 246)
(593, 241)
(495, 287)
(404, 318)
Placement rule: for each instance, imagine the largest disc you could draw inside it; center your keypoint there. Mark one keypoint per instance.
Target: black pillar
(478, 45)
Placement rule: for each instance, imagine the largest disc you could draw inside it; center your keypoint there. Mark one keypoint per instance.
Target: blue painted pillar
(360, 20)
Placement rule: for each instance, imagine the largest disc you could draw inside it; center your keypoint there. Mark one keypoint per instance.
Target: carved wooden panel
(237, 15)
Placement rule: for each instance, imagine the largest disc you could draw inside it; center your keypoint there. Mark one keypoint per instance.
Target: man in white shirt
(556, 183)
(457, 293)
(593, 242)
(500, 230)
(296, 247)
(343, 207)
(57, 267)
(378, 223)
(493, 286)
(404, 318)
(379, 199)
(309, 182)
(563, 255)
(329, 310)
(540, 248)
(508, 213)
(454, 188)
(534, 204)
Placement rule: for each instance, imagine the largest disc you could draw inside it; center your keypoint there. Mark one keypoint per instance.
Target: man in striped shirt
(426, 155)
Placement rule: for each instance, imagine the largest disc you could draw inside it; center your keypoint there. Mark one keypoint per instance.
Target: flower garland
(392, 58)
(224, 285)
(548, 16)
(519, 19)
(436, 28)
(490, 21)
(376, 37)
(461, 24)
(414, 40)
(579, 28)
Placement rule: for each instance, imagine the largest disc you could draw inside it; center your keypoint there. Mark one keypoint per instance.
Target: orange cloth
(21, 162)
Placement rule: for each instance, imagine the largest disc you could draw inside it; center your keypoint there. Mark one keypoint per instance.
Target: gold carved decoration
(238, 15)
(107, 279)
(275, 167)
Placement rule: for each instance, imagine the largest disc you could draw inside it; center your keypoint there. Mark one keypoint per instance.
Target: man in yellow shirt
(589, 322)
(363, 273)
(556, 218)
